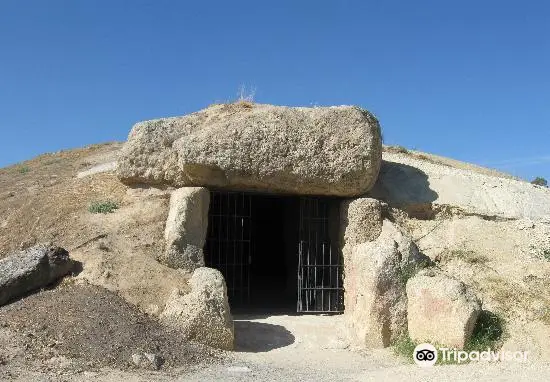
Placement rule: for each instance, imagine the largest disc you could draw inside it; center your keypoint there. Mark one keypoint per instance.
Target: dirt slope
(47, 199)
(84, 327)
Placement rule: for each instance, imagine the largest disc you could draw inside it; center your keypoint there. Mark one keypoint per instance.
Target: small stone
(149, 361)
(154, 360)
(238, 369)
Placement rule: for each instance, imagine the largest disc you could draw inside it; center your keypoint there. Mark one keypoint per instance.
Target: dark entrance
(276, 252)
(320, 282)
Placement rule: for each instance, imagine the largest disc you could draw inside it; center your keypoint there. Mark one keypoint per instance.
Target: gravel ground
(296, 348)
(83, 327)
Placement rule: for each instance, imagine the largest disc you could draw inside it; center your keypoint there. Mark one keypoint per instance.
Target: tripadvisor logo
(426, 355)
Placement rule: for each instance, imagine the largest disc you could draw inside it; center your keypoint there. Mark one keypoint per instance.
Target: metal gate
(228, 246)
(320, 283)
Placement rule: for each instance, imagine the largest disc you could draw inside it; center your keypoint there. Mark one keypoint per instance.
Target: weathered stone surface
(361, 220)
(186, 228)
(202, 315)
(31, 269)
(441, 310)
(323, 150)
(375, 275)
(419, 182)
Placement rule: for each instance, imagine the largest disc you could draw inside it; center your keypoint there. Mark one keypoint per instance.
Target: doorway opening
(276, 253)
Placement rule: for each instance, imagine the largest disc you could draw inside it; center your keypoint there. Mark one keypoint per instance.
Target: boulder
(375, 276)
(321, 151)
(203, 314)
(186, 228)
(441, 310)
(32, 269)
(361, 220)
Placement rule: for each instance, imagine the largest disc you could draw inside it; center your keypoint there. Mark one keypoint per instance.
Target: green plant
(104, 207)
(23, 169)
(545, 316)
(487, 332)
(540, 181)
(546, 253)
(404, 347)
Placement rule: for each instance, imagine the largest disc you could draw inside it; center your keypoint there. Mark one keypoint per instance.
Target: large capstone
(320, 151)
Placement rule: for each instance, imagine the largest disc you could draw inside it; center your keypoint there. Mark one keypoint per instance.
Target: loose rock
(148, 361)
(32, 269)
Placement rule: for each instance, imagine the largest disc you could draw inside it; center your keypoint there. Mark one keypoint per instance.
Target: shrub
(404, 347)
(487, 332)
(104, 207)
(23, 169)
(539, 181)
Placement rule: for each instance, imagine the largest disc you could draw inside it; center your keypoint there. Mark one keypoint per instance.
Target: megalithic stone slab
(299, 150)
(32, 269)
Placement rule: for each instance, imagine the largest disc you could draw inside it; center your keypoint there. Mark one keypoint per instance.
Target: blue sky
(465, 79)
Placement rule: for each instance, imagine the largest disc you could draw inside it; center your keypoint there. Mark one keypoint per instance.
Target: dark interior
(273, 270)
(253, 240)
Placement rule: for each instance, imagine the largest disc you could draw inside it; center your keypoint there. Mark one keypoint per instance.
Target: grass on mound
(467, 256)
(104, 207)
(23, 169)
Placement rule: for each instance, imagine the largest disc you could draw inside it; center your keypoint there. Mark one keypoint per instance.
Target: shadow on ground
(257, 337)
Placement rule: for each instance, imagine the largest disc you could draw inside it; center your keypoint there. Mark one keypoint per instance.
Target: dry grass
(244, 104)
(467, 256)
(448, 162)
(525, 298)
(396, 149)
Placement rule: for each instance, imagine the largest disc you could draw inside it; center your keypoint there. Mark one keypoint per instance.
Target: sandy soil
(304, 348)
